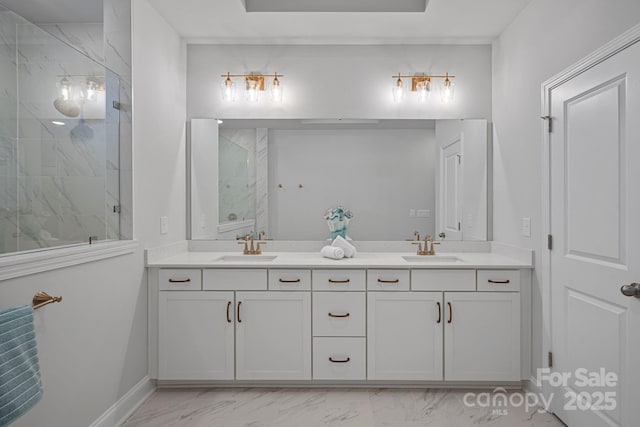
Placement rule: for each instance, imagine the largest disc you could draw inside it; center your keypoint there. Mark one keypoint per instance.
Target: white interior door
(595, 223)
(451, 191)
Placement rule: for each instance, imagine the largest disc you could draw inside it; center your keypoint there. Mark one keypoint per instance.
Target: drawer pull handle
(331, 359)
(179, 280)
(389, 281)
(339, 315)
(228, 307)
(450, 313)
(439, 312)
(289, 281)
(499, 282)
(339, 281)
(239, 320)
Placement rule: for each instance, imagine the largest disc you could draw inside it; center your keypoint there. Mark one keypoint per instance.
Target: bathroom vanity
(456, 318)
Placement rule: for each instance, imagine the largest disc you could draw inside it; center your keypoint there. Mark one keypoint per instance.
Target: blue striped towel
(20, 386)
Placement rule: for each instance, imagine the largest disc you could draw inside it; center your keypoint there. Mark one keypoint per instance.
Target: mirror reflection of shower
(75, 92)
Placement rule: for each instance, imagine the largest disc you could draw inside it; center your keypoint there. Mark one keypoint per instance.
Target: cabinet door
(404, 336)
(273, 335)
(195, 335)
(482, 336)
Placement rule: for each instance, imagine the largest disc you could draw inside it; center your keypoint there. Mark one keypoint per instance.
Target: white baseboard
(124, 407)
(531, 385)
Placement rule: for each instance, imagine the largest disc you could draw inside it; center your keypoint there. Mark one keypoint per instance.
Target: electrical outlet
(526, 227)
(423, 213)
(164, 224)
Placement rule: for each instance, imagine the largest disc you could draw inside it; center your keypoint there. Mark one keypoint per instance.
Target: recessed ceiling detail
(335, 5)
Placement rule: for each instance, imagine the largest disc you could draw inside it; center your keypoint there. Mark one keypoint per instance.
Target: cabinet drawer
(443, 280)
(339, 359)
(499, 280)
(236, 279)
(180, 279)
(289, 280)
(339, 314)
(338, 280)
(388, 280)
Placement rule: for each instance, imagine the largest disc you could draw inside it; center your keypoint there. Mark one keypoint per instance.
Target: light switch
(423, 213)
(526, 227)
(412, 213)
(164, 225)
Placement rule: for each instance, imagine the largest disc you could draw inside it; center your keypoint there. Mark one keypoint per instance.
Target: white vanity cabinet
(196, 335)
(446, 330)
(482, 336)
(211, 334)
(273, 335)
(404, 336)
(353, 324)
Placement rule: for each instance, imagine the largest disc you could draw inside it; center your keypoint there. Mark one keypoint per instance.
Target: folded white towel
(348, 248)
(332, 252)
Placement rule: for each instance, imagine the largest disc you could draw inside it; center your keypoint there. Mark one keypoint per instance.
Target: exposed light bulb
(252, 90)
(447, 90)
(423, 88)
(65, 89)
(276, 90)
(228, 89)
(92, 90)
(398, 90)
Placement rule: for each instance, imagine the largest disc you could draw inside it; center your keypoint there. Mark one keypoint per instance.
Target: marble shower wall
(237, 187)
(58, 183)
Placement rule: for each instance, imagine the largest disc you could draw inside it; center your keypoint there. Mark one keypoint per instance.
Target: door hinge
(459, 159)
(458, 225)
(550, 359)
(549, 241)
(117, 209)
(549, 121)
(116, 105)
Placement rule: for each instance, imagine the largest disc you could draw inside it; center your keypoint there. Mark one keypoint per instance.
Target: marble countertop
(458, 260)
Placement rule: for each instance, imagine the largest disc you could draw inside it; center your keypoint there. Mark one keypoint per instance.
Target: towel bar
(42, 298)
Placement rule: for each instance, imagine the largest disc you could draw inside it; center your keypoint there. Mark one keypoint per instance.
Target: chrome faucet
(250, 248)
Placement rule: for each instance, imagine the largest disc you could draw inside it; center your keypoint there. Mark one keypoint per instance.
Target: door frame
(618, 44)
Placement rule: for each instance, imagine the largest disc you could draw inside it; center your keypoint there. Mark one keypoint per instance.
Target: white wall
(547, 37)
(159, 128)
(377, 174)
(339, 81)
(93, 345)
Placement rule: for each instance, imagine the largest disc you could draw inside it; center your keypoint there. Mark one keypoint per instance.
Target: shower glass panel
(59, 142)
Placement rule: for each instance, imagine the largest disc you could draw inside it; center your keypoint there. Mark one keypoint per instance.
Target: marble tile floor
(276, 407)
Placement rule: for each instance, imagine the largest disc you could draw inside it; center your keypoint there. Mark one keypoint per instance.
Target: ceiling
(57, 11)
(445, 21)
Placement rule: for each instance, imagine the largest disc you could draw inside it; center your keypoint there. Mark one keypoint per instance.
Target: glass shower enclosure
(59, 142)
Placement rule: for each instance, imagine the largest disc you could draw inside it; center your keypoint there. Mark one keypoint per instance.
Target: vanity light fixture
(80, 88)
(254, 84)
(422, 85)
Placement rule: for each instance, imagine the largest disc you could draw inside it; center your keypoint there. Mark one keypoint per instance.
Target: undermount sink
(432, 259)
(247, 258)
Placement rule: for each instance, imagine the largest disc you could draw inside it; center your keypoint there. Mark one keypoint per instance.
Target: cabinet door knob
(331, 359)
(228, 307)
(439, 312)
(339, 315)
(450, 313)
(238, 314)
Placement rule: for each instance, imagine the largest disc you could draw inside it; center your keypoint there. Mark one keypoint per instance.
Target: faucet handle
(246, 248)
(258, 250)
(420, 251)
(433, 248)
